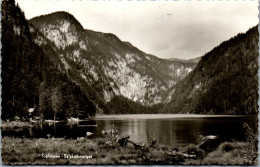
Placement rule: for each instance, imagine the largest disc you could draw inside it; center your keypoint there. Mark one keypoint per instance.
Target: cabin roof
(31, 110)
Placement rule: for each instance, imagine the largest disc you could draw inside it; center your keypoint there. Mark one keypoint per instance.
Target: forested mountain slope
(225, 80)
(110, 71)
(59, 68)
(30, 79)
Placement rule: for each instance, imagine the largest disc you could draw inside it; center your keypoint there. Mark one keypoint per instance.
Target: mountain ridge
(97, 71)
(193, 60)
(224, 81)
(125, 70)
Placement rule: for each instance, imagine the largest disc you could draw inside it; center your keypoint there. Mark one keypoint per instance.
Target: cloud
(182, 29)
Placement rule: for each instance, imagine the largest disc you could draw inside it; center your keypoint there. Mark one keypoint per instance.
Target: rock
(123, 141)
(209, 143)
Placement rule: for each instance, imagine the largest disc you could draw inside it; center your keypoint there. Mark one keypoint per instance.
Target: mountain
(59, 68)
(30, 77)
(114, 74)
(224, 81)
(194, 60)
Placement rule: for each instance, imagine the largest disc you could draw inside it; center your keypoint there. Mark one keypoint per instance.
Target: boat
(71, 119)
(51, 121)
(37, 119)
(33, 121)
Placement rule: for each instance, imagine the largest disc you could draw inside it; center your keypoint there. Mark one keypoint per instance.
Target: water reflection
(179, 132)
(171, 132)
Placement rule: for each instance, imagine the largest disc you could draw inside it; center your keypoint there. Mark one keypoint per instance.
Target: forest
(30, 79)
(225, 80)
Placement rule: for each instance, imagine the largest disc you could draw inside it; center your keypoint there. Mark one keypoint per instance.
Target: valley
(71, 95)
(112, 76)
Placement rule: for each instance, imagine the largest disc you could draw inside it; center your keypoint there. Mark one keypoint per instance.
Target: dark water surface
(171, 130)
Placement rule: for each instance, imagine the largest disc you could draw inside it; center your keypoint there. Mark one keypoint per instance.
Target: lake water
(168, 129)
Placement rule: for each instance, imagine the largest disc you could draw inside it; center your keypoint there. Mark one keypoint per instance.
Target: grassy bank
(108, 151)
(227, 153)
(14, 124)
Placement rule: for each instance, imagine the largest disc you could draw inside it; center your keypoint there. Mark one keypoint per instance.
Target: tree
(44, 101)
(56, 101)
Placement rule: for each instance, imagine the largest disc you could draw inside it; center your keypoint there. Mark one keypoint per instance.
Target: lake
(173, 130)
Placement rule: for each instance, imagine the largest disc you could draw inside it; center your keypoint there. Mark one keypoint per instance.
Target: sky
(164, 28)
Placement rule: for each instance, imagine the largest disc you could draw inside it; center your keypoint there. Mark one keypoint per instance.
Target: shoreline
(15, 124)
(108, 151)
(163, 116)
(21, 124)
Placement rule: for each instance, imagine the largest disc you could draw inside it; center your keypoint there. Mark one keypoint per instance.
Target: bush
(249, 134)
(235, 153)
(227, 147)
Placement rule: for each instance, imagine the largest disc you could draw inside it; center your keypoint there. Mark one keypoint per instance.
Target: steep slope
(18, 75)
(29, 78)
(224, 81)
(108, 70)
